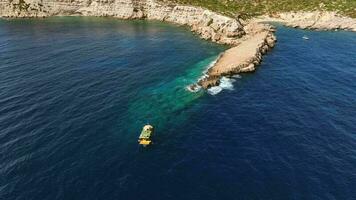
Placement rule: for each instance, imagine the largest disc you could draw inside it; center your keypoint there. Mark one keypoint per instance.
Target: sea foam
(195, 87)
(214, 90)
(225, 84)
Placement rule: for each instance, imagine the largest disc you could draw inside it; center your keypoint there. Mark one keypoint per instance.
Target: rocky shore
(316, 20)
(244, 57)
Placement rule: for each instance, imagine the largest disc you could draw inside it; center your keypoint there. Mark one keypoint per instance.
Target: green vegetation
(22, 5)
(250, 8)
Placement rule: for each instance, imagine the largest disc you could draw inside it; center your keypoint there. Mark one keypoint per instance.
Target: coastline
(207, 24)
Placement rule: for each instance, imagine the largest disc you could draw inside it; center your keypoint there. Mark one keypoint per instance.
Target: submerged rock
(193, 88)
(209, 82)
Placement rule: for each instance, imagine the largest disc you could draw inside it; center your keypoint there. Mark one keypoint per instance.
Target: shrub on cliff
(250, 8)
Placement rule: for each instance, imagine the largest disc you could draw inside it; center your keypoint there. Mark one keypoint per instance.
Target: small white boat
(305, 37)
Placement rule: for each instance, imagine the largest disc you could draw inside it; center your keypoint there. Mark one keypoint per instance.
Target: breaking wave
(225, 84)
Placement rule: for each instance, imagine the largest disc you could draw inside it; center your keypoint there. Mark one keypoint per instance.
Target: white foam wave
(197, 88)
(193, 88)
(214, 90)
(225, 84)
(236, 76)
(211, 64)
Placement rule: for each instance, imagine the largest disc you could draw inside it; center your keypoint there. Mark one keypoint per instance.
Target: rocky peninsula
(244, 57)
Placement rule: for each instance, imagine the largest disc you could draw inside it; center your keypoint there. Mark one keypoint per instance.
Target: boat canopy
(146, 132)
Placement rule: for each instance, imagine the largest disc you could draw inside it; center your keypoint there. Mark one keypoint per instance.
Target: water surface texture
(75, 93)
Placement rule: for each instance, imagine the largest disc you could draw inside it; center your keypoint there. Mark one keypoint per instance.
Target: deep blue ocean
(75, 93)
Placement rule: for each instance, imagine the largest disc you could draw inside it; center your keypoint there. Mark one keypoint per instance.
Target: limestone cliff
(207, 24)
(312, 20)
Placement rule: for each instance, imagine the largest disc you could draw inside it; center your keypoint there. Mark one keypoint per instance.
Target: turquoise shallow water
(75, 92)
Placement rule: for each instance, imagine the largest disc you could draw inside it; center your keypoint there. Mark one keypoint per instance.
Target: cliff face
(207, 24)
(313, 20)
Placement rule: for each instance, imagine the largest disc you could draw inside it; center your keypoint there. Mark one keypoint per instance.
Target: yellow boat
(145, 136)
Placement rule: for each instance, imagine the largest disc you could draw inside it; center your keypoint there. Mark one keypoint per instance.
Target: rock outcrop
(313, 20)
(244, 57)
(209, 25)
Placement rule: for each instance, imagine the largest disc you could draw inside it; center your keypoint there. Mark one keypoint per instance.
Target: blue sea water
(75, 93)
